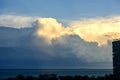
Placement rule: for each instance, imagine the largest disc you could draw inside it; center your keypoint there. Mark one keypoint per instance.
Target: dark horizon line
(56, 69)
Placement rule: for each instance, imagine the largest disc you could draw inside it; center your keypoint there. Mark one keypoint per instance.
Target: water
(6, 73)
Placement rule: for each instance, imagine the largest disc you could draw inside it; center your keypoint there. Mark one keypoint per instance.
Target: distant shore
(58, 74)
(55, 77)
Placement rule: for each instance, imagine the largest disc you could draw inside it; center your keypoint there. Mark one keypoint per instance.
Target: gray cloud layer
(20, 48)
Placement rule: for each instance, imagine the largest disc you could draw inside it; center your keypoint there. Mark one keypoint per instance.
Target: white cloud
(16, 21)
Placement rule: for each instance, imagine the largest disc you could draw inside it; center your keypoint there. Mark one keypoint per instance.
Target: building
(116, 59)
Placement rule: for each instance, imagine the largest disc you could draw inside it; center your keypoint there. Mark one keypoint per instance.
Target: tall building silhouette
(116, 59)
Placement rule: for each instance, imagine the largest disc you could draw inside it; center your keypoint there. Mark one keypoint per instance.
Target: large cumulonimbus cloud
(80, 39)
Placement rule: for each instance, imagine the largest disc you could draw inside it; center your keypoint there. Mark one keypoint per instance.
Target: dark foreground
(55, 77)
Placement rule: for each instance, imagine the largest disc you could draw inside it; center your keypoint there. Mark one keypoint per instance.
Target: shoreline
(56, 77)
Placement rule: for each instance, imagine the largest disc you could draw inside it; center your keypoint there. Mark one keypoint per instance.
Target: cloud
(75, 44)
(99, 30)
(16, 21)
(50, 29)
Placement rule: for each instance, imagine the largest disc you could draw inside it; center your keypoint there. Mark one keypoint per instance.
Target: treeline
(55, 77)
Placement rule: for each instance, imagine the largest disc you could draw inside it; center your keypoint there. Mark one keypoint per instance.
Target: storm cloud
(22, 47)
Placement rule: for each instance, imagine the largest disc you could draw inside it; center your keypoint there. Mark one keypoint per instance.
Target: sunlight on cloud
(99, 30)
(50, 29)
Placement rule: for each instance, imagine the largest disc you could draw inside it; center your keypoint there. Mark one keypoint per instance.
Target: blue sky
(65, 9)
(74, 53)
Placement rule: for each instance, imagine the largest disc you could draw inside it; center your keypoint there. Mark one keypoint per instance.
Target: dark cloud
(21, 48)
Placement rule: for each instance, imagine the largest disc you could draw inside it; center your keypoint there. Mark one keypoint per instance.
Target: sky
(72, 9)
(43, 33)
